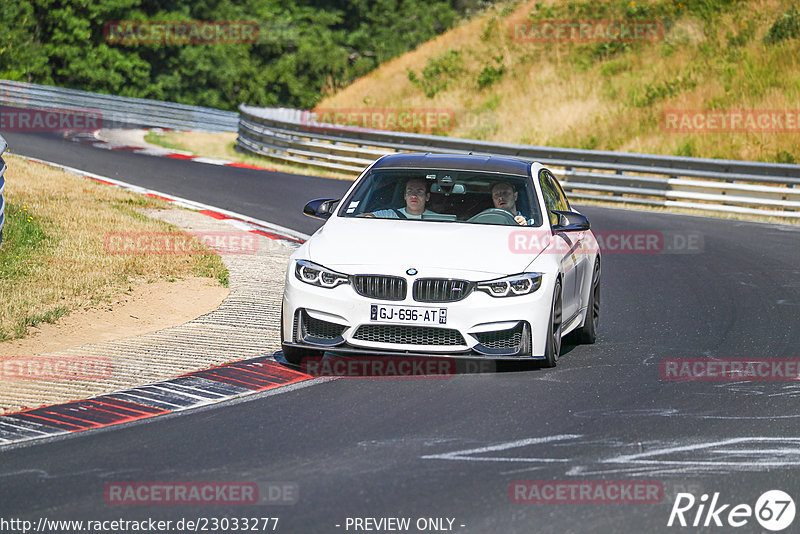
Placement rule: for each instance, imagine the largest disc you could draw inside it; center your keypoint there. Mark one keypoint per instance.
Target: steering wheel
(493, 216)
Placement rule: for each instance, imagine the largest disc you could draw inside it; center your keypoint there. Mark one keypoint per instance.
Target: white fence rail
(117, 111)
(705, 184)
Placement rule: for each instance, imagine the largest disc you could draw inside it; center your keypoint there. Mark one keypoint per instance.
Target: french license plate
(408, 314)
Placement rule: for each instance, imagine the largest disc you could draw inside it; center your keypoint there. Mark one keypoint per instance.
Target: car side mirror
(570, 221)
(321, 208)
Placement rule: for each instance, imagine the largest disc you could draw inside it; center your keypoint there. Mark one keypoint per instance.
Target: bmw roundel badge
(411, 272)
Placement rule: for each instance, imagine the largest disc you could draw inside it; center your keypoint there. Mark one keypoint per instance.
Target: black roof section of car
(454, 162)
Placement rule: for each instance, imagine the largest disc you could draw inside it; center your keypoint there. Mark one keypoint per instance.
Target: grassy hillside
(712, 55)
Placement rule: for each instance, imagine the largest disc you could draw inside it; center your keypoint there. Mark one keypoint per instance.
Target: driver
(505, 198)
(416, 195)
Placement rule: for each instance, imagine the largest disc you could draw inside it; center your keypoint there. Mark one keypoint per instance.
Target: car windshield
(443, 196)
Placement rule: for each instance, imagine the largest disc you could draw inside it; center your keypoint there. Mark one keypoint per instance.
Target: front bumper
(479, 326)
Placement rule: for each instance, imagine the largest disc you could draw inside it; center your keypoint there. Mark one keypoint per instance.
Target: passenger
(416, 195)
(505, 198)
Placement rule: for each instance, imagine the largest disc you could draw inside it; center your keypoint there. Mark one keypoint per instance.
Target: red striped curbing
(88, 138)
(188, 391)
(191, 390)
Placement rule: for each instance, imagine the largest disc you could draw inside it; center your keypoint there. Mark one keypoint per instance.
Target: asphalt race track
(452, 448)
(271, 196)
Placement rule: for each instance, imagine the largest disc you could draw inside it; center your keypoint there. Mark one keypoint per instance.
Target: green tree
(304, 48)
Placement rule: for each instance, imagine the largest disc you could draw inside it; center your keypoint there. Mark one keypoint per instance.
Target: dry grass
(568, 95)
(564, 94)
(53, 258)
(222, 145)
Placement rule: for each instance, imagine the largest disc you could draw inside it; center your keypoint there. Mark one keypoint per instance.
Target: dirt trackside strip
(244, 326)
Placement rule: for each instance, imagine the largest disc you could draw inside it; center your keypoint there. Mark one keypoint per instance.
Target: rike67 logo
(774, 510)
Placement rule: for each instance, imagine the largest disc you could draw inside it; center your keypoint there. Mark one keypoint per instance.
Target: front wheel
(588, 333)
(553, 347)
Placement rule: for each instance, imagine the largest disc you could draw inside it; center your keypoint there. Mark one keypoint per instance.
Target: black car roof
(455, 162)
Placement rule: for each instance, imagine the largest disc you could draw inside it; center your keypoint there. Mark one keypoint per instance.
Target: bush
(786, 27)
(659, 91)
(490, 73)
(783, 156)
(438, 73)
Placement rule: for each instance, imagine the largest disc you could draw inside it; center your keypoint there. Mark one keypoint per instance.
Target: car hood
(392, 246)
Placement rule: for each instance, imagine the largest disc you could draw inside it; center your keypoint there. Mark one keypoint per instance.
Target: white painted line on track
(467, 454)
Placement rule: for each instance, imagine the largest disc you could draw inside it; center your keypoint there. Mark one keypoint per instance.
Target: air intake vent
(441, 290)
(321, 329)
(381, 287)
(502, 339)
(409, 335)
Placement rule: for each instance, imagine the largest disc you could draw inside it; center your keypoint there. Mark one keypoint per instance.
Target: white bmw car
(444, 255)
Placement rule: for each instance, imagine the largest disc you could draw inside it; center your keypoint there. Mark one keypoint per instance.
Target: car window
(448, 196)
(561, 197)
(550, 194)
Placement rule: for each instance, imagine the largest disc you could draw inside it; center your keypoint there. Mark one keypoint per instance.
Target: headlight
(511, 286)
(317, 275)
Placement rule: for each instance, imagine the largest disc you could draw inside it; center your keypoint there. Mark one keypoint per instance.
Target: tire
(295, 355)
(588, 333)
(553, 346)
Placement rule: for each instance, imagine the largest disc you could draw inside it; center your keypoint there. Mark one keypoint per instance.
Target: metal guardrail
(705, 184)
(118, 111)
(3, 147)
